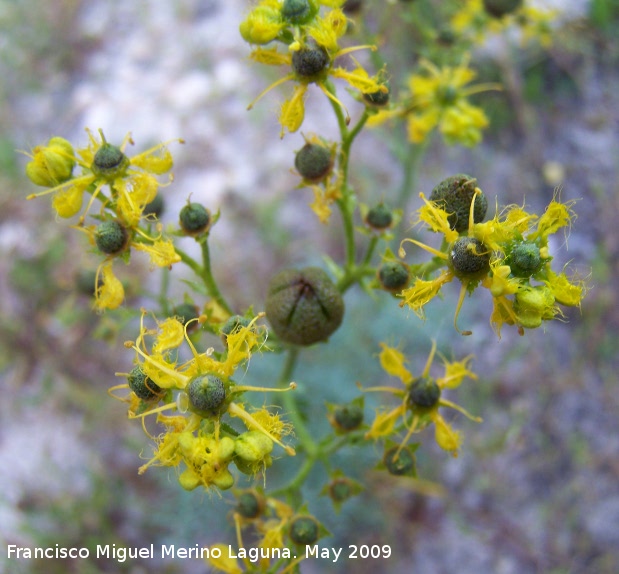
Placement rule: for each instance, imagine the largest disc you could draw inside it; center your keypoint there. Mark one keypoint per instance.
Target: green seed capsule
(109, 162)
(399, 463)
(304, 530)
(454, 195)
(348, 417)
(206, 394)
(155, 207)
(377, 99)
(304, 306)
(141, 385)
(250, 504)
(194, 219)
(524, 259)
(299, 11)
(424, 393)
(314, 162)
(186, 312)
(469, 258)
(111, 237)
(309, 62)
(393, 276)
(379, 217)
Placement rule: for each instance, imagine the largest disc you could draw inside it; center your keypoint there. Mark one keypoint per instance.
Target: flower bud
(52, 164)
(304, 306)
(253, 446)
(309, 62)
(223, 479)
(109, 162)
(499, 8)
(379, 217)
(524, 259)
(262, 25)
(304, 530)
(314, 162)
(393, 276)
(454, 195)
(424, 393)
(399, 461)
(141, 385)
(111, 237)
(207, 395)
(534, 305)
(195, 219)
(469, 258)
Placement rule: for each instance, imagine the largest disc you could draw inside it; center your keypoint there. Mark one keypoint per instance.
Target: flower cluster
(509, 255)
(311, 47)
(132, 186)
(421, 400)
(439, 98)
(280, 530)
(203, 392)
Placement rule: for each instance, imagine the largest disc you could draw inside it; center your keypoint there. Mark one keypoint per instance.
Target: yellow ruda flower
(312, 59)
(421, 399)
(439, 99)
(203, 392)
(508, 255)
(132, 180)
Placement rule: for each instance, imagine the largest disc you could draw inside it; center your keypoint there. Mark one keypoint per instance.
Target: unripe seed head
(194, 219)
(348, 417)
(304, 530)
(424, 393)
(206, 394)
(379, 217)
(304, 306)
(377, 99)
(111, 237)
(109, 162)
(141, 385)
(525, 260)
(309, 62)
(399, 463)
(314, 162)
(393, 276)
(250, 504)
(454, 195)
(469, 258)
(299, 11)
(500, 8)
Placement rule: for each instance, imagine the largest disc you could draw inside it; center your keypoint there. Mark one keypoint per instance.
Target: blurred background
(536, 486)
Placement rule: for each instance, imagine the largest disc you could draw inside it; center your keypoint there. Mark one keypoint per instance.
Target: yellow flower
(421, 399)
(109, 292)
(130, 179)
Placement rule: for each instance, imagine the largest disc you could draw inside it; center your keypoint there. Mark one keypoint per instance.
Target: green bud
(207, 395)
(194, 219)
(454, 195)
(109, 162)
(500, 8)
(393, 276)
(424, 393)
(304, 306)
(379, 217)
(224, 480)
(524, 259)
(469, 258)
(399, 463)
(309, 62)
(304, 530)
(111, 237)
(141, 385)
(314, 162)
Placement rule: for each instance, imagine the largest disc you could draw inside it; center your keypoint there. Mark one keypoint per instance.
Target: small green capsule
(424, 393)
(186, 312)
(141, 385)
(194, 219)
(206, 394)
(377, 99)
(379, 217)
(111, 237)
(454, 195)
(299, 11)
(109, 162)
(500, 8)
(155, 208)
(399, 463)
(233, 325)
(250, 504)
(525, 260)
(393, 276)
(304, 530)
(348, 417)
(314, 162)
(469, 258)
(309, 62)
